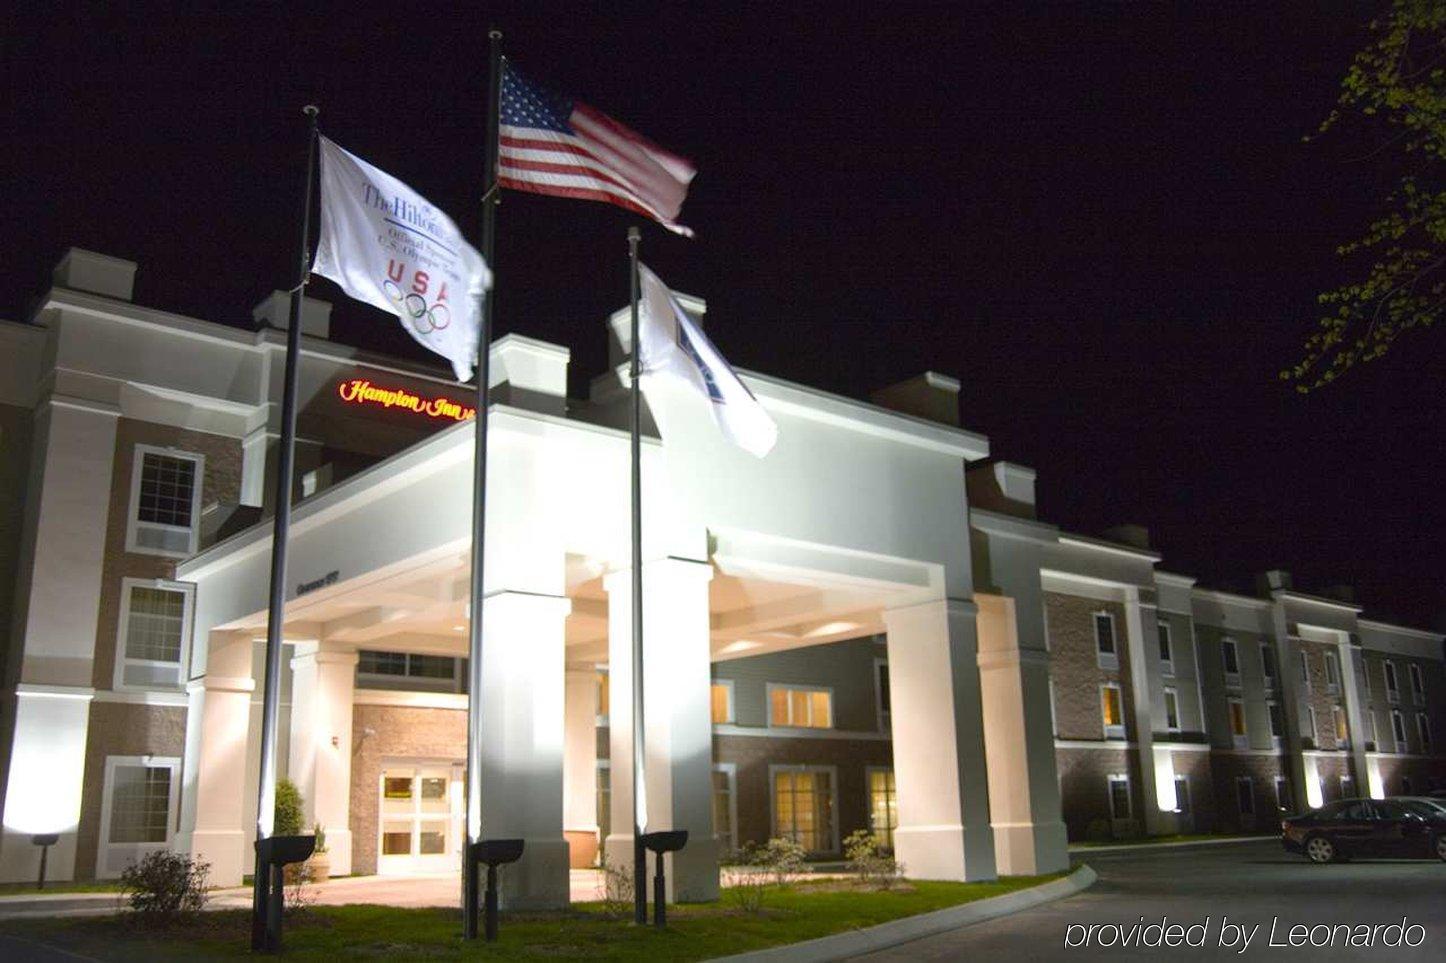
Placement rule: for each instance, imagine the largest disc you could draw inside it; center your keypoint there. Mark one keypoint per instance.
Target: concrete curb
(841, 946)
(1126, 847)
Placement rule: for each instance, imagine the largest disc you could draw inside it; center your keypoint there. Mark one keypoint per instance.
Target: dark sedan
(1393, 828)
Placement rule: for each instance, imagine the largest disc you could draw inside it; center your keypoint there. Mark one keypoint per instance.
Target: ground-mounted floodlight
(273, 855)
(492, 853)
(44, 841)
(667, 841)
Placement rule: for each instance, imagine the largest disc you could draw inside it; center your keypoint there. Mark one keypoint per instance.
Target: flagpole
(281, 525)
(470, 872)
(640, 858)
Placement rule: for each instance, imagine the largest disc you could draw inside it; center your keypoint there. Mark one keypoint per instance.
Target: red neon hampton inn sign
(359, 391)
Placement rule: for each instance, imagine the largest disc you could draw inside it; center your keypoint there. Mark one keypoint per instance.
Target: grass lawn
(798, 912)
(1176, 838)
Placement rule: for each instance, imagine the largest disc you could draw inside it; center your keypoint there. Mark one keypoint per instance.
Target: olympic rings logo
(414, 308)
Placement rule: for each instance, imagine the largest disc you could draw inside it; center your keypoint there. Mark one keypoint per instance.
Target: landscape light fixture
(44, 841)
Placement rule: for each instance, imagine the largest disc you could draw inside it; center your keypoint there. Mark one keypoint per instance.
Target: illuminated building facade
(904, 647)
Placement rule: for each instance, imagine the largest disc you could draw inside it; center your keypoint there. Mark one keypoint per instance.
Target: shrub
(869, 863)
(286, 820)
(784, 858)
(164, 886)
(615, 889)
(751, 875)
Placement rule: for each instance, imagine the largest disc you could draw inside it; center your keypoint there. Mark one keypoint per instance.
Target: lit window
(1172, 711)
(165, 502)
(1105, 641)
(720, 696)
(1119, 788)
(1338, 716)
(883, 807)
(803, 807)
(154, 632)
(1237, 724)
(603, 696)
(723, 810)
(799, 707)
(1112, 711)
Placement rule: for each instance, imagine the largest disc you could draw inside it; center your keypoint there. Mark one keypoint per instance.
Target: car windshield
(1424, 807)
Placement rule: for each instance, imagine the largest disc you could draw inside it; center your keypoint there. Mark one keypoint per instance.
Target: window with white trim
(881, 693)
(1053, 715)
(1393, 690)
(725, 807)
(1267, 665)
(138, 807)
(1418, 682)
(1371, 722)
(1305, 669)
(1348, 786)
(165, 505)
(1283, 799)
(1398, 730)
(804, 805)
(1277, 723)
(1238, 734)
(1118, 787)
(720, 698)
(154, 634)
(1423, 731)
(1338, 719)
(605, 797)
(1245, 796)
(1310, 727)
(1230, 653)
(1167, 654)
(1112, 712)
(804, 707)
(1172, 710)
(1182, 795)
(410, 671)
(1106, 651)
(1332, 672)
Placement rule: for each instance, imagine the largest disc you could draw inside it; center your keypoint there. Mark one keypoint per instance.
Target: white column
(1303, 773)
(1142, 635)
(1029, 835)
(678, 720)
(214, 783)
(939, 759)
(323, 688)
(579, 766)
(1355, 719)
(43, 794)
(522, 722)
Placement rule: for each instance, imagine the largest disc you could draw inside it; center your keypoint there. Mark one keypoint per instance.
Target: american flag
(556, 145)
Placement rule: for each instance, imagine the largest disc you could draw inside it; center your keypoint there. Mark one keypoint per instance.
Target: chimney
(1137, 536)
(274, 311)
(930, 395)
(82, 270)
(1275, 580)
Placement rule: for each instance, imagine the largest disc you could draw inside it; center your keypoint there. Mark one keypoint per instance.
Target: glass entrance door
(420, 819)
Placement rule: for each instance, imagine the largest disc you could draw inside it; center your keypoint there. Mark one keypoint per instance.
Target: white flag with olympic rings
(386, 245)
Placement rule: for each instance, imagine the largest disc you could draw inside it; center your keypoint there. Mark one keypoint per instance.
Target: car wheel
(1319, 849)
(1440, 847)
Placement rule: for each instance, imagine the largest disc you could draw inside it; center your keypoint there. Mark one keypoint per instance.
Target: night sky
(1100, 217)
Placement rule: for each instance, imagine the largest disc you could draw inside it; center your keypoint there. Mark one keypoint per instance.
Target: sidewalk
(1171, 844)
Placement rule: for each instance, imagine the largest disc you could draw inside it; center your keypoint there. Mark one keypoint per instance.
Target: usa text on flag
(672, 345)
(555, 145)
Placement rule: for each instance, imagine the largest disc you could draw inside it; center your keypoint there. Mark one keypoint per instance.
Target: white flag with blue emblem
(386, 245)
(672, 344)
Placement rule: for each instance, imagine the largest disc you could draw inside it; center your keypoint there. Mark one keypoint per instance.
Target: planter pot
(320, 866)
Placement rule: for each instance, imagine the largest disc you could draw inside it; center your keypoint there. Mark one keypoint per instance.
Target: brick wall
(397, 732)
(1084, 789)
(1074, 666)
(1226, 767)
(121, 729)
(1197, 768)
(1320, 697)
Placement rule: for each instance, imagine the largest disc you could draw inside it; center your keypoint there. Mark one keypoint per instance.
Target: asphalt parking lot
(1216, 888)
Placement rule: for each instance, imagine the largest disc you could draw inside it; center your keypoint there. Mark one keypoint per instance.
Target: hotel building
(905, 647)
